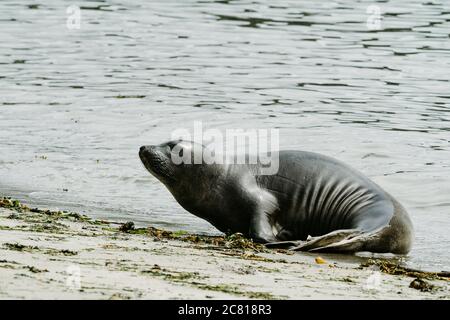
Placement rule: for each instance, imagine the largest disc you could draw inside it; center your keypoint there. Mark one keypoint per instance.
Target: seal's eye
(171, 145)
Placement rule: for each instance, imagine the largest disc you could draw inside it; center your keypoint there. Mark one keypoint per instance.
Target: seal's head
(179, 165)
(173, 162)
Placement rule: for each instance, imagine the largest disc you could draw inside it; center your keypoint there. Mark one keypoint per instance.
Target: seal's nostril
(142, 149)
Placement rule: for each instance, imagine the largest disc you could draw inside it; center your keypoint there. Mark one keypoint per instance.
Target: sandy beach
(62, 255)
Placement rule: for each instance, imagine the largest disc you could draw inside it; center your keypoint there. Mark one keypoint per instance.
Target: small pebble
(320, 260)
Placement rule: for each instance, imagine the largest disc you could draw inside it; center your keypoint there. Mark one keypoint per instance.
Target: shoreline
(64, 255)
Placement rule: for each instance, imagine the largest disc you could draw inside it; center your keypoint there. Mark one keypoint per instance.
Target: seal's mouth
(157, 163)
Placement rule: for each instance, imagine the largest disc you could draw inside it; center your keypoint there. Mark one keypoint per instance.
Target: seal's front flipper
(265, 204)
(334, 237)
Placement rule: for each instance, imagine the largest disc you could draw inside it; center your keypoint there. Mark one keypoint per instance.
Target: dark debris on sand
(393, 268)
(233, 241)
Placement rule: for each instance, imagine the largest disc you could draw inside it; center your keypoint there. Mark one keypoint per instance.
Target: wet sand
(62, 255)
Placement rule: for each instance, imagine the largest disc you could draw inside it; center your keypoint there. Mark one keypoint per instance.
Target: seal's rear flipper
(337, 236)
(315, 242)
(346, 245)
(350, 240)
(352, 244)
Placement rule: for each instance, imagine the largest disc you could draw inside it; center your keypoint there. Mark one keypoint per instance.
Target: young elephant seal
(313, 202)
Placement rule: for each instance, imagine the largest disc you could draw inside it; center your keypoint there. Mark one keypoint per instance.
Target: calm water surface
(75, 105)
